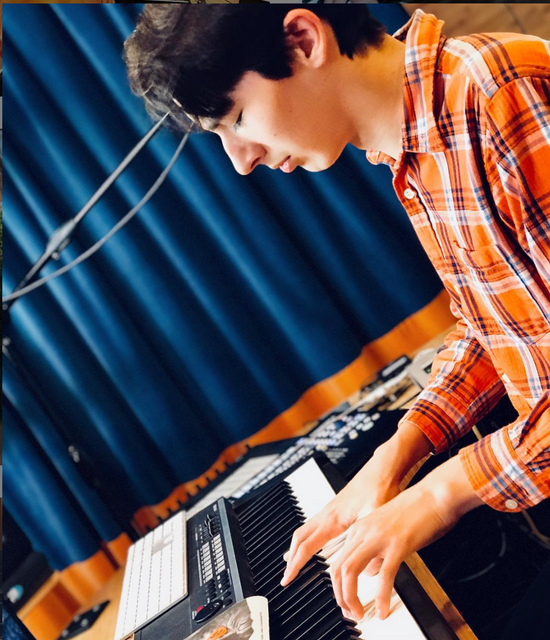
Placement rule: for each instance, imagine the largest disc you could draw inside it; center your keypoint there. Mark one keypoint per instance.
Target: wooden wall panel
(461, 19)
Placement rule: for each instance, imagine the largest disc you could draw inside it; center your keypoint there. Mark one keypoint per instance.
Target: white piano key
(154, 585)
(122, 620)
(311, 488)
(313, 492)
(143, 595)
(134, 583)
(150, 580)
(235, 482)
(165, 578)
(178, 562)
(399, 625)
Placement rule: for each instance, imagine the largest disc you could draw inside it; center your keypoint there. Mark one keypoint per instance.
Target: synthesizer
(347, 438)
(235, 551)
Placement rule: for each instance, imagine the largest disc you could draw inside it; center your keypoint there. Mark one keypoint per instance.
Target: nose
(244, 155)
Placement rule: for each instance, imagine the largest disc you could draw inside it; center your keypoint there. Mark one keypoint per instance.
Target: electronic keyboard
(155, 577)
(235, 551)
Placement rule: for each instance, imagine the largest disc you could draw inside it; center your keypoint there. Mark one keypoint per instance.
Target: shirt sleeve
(510, 469)
(463, 387)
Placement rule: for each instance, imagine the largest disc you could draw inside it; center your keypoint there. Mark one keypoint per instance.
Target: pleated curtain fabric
(212, 312)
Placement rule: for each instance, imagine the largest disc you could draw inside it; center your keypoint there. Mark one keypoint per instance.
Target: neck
(374, 97)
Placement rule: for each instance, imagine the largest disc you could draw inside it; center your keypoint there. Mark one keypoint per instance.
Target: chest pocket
(485, 263)
(501, 296)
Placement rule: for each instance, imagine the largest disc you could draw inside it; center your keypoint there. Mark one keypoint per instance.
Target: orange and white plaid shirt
(474, 178)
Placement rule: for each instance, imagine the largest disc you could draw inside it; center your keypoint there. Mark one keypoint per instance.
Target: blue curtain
(212, 312)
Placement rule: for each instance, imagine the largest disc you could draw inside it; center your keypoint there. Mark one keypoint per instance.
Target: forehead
(249, 85)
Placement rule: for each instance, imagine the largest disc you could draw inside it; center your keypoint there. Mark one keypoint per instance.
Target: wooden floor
(462, 19)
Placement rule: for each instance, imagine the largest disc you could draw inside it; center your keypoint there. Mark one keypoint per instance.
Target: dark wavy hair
(196, 55)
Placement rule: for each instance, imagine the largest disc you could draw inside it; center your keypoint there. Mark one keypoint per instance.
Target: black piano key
(276, 547)
(351, 625)
(263, 502)
(329, 619)
(288, 522)
(309, 611)
(342, 628)
(283, 490)
(275, 567)
(273, 549)
(263, 508)
(273, 581)
(308, 599)
(324, 619)
(340, 633)
(306, 609)
(282, 524)
(318, 587)
(246, 510)
(261, 562)
(269, 519)
(243, 506)
(279, 594)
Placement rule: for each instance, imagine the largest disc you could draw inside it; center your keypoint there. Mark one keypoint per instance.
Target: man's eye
(239, 120)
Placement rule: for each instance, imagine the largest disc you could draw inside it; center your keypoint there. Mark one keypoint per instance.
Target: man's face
(283, 124)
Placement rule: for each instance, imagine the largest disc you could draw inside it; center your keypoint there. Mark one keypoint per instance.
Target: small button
(207, 611)
(409, 194)
(511, 504)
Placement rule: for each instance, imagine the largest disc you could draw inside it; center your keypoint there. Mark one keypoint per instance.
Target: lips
(286, 165)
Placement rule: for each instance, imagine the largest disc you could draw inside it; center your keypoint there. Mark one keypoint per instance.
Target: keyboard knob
(208, 611)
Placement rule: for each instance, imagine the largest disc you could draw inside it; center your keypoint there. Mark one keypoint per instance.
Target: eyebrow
(206, 124)
(212, 124)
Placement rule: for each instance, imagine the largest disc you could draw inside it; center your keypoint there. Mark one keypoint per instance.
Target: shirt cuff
(441, 416)
(499, 477)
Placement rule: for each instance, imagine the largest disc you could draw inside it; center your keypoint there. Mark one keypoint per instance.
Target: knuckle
(348, 570)
(299, 535)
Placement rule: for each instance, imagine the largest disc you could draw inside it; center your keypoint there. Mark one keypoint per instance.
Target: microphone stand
(58, 241)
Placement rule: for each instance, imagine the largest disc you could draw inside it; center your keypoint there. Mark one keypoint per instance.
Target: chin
(319, 164)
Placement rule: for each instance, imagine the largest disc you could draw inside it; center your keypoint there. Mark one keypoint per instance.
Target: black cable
(95, 247)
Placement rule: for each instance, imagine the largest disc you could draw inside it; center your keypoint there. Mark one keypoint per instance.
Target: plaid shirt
(474, 179)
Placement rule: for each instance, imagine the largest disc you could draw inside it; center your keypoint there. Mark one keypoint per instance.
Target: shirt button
(409, 194)
(511, 504)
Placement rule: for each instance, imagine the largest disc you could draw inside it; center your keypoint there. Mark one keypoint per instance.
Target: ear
(308, 36)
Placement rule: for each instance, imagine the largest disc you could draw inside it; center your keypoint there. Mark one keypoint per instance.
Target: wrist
(403, 450)
(450, 490)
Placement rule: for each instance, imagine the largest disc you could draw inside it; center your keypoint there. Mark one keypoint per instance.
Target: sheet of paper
(245, 620)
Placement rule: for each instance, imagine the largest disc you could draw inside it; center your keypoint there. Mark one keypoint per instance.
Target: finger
(334, 545)
(373, 566)
(298, 537)
(336, 572)
(386, 579)
(336, 577)
(350, 571)
(303, 553)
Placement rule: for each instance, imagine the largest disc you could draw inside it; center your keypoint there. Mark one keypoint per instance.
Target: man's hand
(370, 488)
(380, 541)
(376, 483)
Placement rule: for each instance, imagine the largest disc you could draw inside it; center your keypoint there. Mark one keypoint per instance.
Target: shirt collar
(423, 42)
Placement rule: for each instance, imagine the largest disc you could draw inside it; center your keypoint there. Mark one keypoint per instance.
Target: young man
(464, 125)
